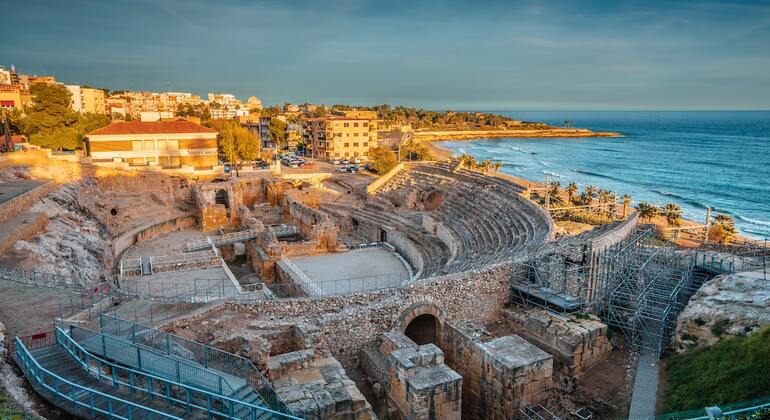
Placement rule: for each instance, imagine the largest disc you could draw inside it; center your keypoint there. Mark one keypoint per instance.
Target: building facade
(93, 101)
(167, 144)
(344, 135)
(14, 96)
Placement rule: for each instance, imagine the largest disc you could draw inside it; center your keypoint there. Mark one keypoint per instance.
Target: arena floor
(354, 271)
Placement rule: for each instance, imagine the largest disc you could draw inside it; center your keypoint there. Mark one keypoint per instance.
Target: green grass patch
(732, 370)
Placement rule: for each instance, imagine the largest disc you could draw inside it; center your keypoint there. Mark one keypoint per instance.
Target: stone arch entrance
(423, 323)
(423, 329)
(222, 198)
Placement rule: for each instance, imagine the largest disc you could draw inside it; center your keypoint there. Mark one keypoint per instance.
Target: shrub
(732, 370)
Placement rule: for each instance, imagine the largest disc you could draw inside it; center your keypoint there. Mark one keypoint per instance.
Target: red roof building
(167, 144)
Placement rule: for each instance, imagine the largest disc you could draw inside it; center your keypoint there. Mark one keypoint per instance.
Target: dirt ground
(606, 388)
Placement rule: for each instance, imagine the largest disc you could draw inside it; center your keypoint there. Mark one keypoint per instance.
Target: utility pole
(708, 225)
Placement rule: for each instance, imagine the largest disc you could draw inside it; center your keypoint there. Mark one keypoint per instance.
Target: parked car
(345, 162)
(307, 165)
(336, 161)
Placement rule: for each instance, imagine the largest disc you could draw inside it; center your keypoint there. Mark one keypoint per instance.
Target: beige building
(344, 135)
(166, 144)
(13, 96)
(93, 101)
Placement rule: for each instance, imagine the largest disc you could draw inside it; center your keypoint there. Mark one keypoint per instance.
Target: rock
(726, 305)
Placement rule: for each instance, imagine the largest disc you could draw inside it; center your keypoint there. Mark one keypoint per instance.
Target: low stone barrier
(377, 184)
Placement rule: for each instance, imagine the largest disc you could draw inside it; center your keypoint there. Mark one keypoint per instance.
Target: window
(161, 144)
(337, 155)
(355, 144)
(366, 134)
(347, 154)
(355, 124)
(337, 134)
(355, 134)
(173, 144)
(347, 124)
(149, 145)
(355, 154)
(136, 146)
(347, 134)
(347, 144)
(366, 124)
(365, 144)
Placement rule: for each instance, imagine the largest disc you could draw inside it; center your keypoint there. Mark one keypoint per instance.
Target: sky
(460, 55)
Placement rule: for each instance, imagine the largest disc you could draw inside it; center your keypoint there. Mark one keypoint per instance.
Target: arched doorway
(423, 323)
(423, 329)
(222, 198)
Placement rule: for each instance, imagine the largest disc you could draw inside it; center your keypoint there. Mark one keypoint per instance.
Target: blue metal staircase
(92, 385)
(235, 369)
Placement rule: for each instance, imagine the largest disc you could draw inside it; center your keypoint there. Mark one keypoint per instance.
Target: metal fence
(48, 280)
(193, 290)
(96, 403)
(172, 391)
(202, 354)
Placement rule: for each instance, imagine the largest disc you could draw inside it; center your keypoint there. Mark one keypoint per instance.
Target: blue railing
(207, 356)
(98, 403)
(174, 393)
(151, 361)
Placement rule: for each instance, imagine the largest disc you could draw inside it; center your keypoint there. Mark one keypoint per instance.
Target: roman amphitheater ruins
(431, 292)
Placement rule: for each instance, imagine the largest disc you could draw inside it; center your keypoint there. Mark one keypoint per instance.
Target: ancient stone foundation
(317, 388)
(577, 343)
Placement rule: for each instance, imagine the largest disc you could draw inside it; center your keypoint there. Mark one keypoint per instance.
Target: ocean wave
(752, 221)
(522, 151)
(544, 163)
(598, 175)
(682, 198)
(553, 174)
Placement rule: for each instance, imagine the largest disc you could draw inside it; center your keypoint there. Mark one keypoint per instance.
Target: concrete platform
(354, 271)
(201, 285)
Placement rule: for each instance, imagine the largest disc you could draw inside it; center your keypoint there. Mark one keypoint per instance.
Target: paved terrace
(354, 271)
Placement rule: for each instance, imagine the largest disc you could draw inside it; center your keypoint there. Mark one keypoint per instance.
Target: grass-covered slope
(731, 370)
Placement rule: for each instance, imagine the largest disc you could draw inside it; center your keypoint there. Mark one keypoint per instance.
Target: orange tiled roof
(152, 127)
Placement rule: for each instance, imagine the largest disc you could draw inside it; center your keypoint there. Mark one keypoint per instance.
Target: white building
(76, 100)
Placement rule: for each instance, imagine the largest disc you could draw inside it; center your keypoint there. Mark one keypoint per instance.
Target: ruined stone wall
(466, 358)
(24, 226)
(148, 232)
(577, 344)
(573, 264)
(23, 202)
(344, 324)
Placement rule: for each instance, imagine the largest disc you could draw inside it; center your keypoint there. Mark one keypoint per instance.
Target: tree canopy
(51, 123)
(237, 143)
(277, 132)
(382, 159)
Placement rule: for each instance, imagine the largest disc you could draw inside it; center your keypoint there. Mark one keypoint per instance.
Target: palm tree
(571, 190)
(496, 166)
(467, 160)
(589, 192)
(727, 225)
(484, 165)
(646, 211)
(555, 186)
(673, 214)
(626, 200)
(604, 198)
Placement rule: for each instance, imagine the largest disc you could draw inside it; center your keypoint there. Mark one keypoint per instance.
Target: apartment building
(14, 96)
(85, 99)
(342, 135)
(166, 144)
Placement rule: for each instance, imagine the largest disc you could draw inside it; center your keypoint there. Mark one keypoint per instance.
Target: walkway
(645, 386)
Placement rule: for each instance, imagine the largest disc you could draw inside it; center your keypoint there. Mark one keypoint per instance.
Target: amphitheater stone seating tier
(484, 219)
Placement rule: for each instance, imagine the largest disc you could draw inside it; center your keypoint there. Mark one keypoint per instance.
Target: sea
(696, 159)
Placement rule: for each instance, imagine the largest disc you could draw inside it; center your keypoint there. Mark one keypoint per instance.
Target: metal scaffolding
(638, 285)
(648, 283)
